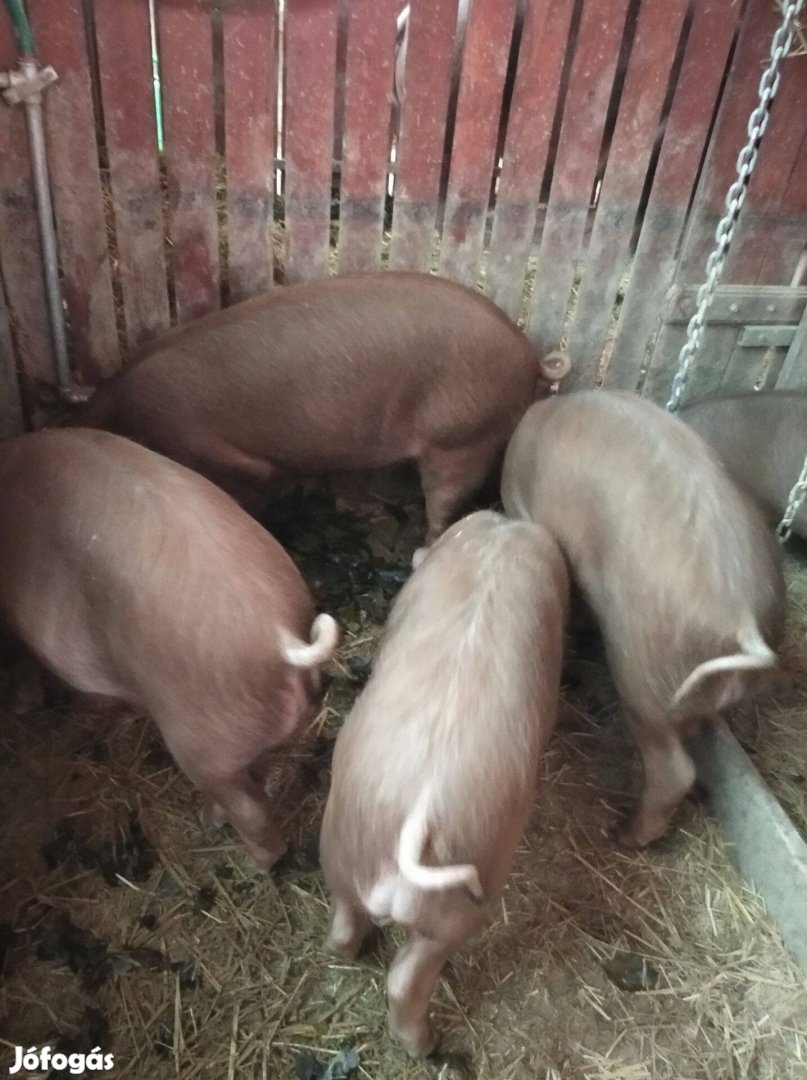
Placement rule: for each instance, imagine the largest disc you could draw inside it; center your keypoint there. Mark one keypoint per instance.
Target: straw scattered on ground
(149, 932)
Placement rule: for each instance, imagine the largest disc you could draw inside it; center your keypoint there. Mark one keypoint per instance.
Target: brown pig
(348, 373)
(676, 563)
(434, 769)
(131, 576)
(761, 438)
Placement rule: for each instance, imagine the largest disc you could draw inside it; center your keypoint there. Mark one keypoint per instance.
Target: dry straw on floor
(601, 964)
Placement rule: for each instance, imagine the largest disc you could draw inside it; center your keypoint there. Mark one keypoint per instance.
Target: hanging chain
(796, 498)
(757, 122)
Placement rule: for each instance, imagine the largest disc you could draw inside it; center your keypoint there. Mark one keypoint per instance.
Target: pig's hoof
(634, 835)
(345, 950)
(209, 818)
(421, 1043)
(212, 815)
(267, 860)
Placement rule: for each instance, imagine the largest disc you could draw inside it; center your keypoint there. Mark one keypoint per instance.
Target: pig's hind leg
(350, 924)
(410, 984)
(450, 479)
(669, 773)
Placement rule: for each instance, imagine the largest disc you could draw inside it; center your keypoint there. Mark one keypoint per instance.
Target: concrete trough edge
(762, 841)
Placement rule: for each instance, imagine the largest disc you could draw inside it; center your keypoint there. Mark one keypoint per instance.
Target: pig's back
(664, 545)
(118, 545)
(463, 694)
(761, 438)
(371, 364)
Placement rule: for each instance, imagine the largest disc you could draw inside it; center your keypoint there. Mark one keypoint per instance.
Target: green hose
(22, 28)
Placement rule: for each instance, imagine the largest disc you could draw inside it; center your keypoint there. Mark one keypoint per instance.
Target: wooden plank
(762, 841)
(529, 128)
(734, 307)
(584, 115)
(776, 336)
(785, 247)
(310, 41)
(19, 234)
(369, 72)
(712, 363)
(793, 375)
(771, 368)
(186, 75)
(654, 262)
(730, 134)
(707, 372)
(484, 70)
(124, 53)
(740, 305)
(250, 31)
(78, 197)
(11, 421)
(743, 369)
(657, 33)
(423, 123)
(765, 219)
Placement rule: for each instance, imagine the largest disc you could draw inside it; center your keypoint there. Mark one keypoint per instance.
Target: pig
(434, 770)
(343, 374)
(131, 576)
(673, 559)
(761, 438)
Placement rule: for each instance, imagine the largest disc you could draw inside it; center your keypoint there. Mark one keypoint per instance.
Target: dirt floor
(127, 922)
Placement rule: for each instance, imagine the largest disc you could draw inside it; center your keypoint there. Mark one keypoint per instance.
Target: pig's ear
(556, 365)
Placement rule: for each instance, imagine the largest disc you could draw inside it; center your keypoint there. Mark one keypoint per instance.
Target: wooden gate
(590, 145)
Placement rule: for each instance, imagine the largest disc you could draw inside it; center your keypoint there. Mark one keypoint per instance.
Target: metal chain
(796, 498)
(747, 159)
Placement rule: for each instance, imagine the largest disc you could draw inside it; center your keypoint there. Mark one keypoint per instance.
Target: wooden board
(365, 150)
(186, 75)
(730, 134)
(784, 251)
(793, 373)
(529, 128)
(584, 115)
(11, 421)
(739, 305)
(757, 251)
(734, 308)
(432, 25)
(124, 53)
(654, 262)
(250, 70)
(646, 81)
(310, 41)
(78, 198)
(19, 234)
(484, 68)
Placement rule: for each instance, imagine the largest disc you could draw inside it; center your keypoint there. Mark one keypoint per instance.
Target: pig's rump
(439, 754)
(134, 577)
(678, 564)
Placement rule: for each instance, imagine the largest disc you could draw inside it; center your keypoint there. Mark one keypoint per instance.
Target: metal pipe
(31, 96)
(47, 235)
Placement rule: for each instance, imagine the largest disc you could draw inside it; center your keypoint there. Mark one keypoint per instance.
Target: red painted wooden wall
(569, 157)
